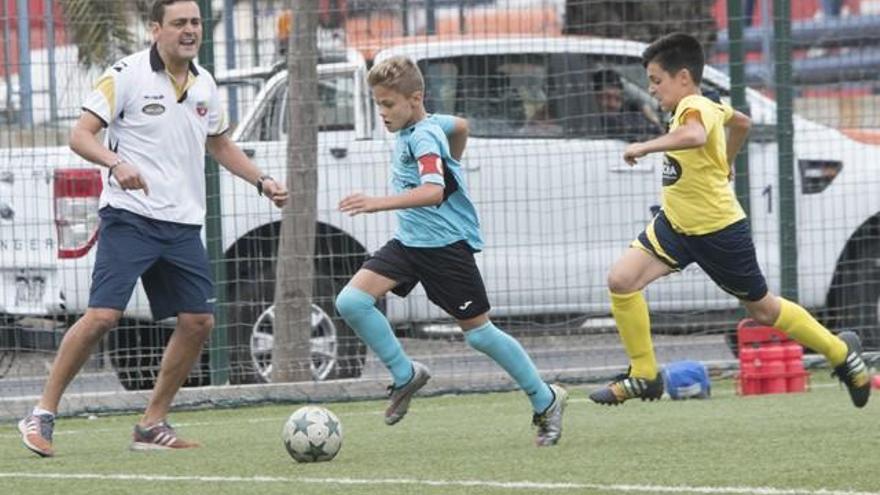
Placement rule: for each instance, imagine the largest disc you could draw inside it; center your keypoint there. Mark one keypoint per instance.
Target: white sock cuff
(39, 411)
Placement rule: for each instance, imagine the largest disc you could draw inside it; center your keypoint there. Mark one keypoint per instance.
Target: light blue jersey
(453, 220)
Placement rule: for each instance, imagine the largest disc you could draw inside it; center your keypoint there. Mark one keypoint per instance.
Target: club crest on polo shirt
(406, 157)
(202, 108)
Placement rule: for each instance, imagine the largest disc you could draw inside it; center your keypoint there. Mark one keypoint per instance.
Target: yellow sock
(802, 327)
(634, 325)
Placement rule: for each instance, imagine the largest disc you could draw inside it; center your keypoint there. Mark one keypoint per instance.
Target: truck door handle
(339, 153)
(249, 152)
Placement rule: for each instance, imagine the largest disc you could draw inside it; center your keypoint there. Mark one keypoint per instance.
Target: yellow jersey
(697, 195)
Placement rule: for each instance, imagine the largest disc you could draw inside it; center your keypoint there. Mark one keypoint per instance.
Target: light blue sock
(359, 310)
(507, 352)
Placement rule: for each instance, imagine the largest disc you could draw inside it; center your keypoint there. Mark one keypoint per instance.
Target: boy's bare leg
(357, 305)
(843, 351)
(548, 401)
(372, 283)
(628, 276)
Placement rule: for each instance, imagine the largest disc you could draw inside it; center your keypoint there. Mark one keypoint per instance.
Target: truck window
(530, 95)
(335, 110)
(266, 128)
(624, 108)
(335, 104)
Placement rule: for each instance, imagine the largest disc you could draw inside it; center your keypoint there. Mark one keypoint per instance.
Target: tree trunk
(293, 295)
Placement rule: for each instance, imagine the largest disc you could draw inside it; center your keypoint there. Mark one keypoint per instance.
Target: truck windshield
(534, 95)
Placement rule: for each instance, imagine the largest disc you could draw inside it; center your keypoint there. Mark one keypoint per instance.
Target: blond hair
(397, 73)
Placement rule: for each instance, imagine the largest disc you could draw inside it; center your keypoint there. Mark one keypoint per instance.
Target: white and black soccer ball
(312, 434)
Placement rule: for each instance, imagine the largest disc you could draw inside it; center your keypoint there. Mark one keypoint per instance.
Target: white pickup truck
(557, 205)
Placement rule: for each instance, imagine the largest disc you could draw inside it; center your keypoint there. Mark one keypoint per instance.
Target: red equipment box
(769, 361)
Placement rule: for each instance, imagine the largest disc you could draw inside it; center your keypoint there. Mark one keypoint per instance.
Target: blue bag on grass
(686, 379)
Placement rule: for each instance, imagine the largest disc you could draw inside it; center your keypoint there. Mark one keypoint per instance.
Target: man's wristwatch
(260, 183)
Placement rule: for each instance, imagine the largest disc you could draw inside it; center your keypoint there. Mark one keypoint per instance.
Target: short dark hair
(157, 12)
(606, 78)
(675, 52)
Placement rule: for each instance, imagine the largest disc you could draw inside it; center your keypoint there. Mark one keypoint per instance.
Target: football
(312, 434)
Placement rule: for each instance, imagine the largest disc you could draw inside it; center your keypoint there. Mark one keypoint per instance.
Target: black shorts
(727, 256)
(449, 275)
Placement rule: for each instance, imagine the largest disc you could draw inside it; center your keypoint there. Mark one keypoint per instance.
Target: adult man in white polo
(161, 111)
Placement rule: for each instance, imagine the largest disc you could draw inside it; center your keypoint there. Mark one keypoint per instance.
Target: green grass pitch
(811, 443)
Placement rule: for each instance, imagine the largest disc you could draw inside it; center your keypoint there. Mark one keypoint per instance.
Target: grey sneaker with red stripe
(160, 436)
(36, 433)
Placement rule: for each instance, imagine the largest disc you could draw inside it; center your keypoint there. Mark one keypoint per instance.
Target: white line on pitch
(522, 485)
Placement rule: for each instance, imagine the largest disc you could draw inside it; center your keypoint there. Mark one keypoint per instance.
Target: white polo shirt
(161, 129)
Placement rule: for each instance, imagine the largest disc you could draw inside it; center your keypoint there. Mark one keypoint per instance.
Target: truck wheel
(732, 342)
(135, 351)
(856, 301)
(7, 357)
(335, 350)
(9, 344)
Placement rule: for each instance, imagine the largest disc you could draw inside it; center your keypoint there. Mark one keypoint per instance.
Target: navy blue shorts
(169, 257)
(449, 275)
(727, 256)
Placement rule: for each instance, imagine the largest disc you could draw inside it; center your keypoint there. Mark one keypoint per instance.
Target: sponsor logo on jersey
(671, 171)
(154, 109)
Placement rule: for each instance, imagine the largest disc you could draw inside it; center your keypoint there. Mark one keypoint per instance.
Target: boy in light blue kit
(438, 233)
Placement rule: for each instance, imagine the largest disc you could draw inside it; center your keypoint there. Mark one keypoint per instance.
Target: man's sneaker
(853, 372)
(626, 387)
(36, 433)
(399, 397)
(549, 422)
(160, 436)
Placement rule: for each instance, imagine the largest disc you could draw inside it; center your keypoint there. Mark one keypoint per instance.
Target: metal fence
(558, 205)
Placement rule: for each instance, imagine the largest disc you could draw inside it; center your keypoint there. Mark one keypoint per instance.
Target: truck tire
(135, 350)
(856, 297)
(9, 344)
(336, 351)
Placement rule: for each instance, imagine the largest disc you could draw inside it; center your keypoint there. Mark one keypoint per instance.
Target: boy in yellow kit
(702, 222)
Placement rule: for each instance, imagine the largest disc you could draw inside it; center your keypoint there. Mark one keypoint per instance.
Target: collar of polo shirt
(157, 64)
